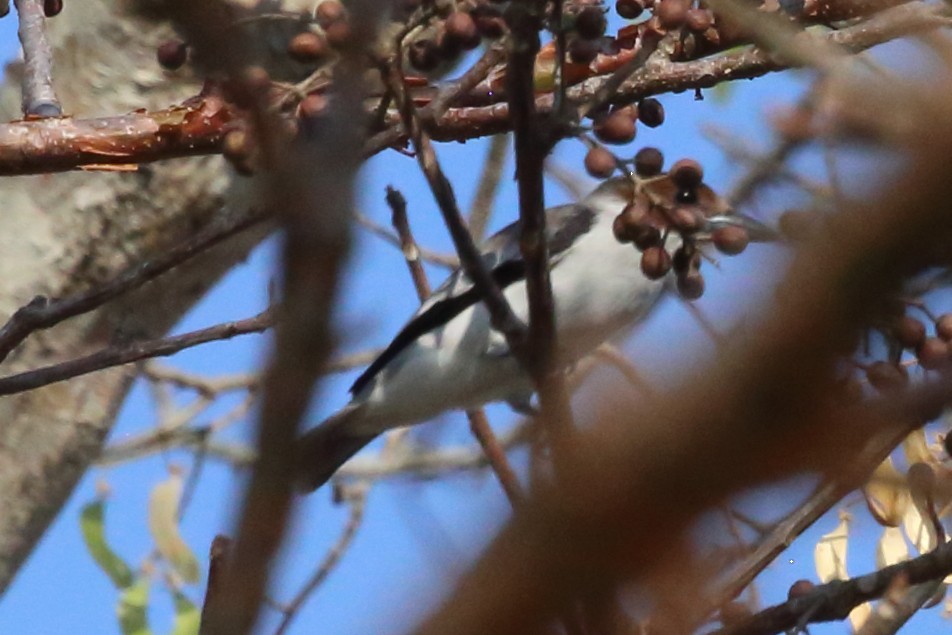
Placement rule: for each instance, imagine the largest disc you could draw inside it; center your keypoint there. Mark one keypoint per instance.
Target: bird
(448, 356)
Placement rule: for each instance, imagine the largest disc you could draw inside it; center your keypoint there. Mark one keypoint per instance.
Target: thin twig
(41, 313)
(357, 501)
(39, 99)
(835, 600)
(447, 261)
(126, 353)
(478, 423)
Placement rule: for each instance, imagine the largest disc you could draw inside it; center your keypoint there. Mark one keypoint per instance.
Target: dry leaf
(887, 495)
(919, 530)
(891, 548)
(830, 552)
(916, 449)
(859, 615)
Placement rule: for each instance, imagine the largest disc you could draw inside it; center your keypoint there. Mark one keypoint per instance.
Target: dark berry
(590, 23)
(799, 589)
(649, 162)
(307, 47)
(933, 353)
(671, 13)
(691, 285)
(943, 327)
(461, 30)
(617, 127)
(629, 9)
(699, 20)
(686, 257)
(600, 163)
(655, 262)
(312, 106)
(583, 51)
(651, 112)
(910, 332)
(731, 240)
(645, 236)
(328, 12)
(686, 173)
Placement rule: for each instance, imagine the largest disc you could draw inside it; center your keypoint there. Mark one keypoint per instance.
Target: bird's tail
(322, 450)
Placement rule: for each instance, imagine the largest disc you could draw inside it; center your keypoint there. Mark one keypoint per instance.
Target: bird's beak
(757, 231)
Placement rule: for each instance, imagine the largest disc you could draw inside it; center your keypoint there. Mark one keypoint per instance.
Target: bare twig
(217, 562)
(41, 313)
(835, 600)
(39, 98)
(357, 501)
(443, 260)
(132, 352)
(478, 423)
(503, 319)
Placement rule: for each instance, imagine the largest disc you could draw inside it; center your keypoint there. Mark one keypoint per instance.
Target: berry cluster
(457, 30)
(675, 202)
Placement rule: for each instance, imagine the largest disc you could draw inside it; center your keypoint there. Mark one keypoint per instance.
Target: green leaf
(163, 524)
(91, 522)
(132, 609)
(187, 616)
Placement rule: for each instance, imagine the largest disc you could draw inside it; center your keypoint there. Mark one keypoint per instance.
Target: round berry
(307, 47)
(731, 240)
(691, 285)
(328, 12)
(583, 51)
(799, 589)
(617, 127)
(590, 23)
(645, 236)
(649, 162)
(671, 13)
(629, 9)
(600, 163)
(655, 262)
(685, 218)
(651, 112)
(699, 20)
(461, 30)
(943, 327)
(933, 353)
(313, 105)
(910, 332)
(686, 173)
(686, 257)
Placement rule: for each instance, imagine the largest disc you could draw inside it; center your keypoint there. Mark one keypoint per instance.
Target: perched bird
(448, 356)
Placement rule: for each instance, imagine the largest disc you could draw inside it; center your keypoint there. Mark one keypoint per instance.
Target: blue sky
(417, 537)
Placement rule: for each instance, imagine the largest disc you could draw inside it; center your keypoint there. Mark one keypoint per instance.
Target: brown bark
(63, 233)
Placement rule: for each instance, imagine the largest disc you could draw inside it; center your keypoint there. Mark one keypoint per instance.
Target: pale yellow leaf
(916, 448)
(919, 530)
(891, 548)
(887, 495)
(164, 527)
(859, 615)
(829, 555)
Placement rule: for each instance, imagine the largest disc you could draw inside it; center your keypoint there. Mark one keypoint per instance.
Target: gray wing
(501, 256)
